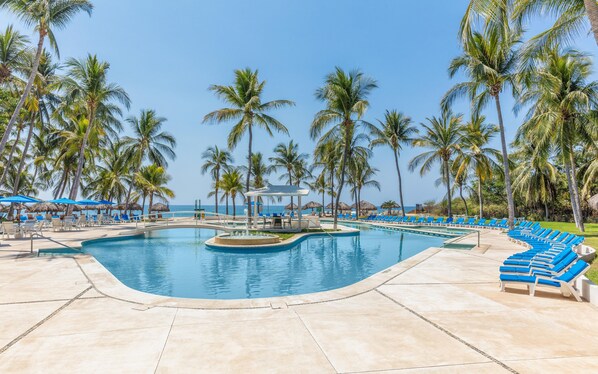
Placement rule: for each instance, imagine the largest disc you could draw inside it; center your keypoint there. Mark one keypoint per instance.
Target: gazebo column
(299, 210)
(255, 224)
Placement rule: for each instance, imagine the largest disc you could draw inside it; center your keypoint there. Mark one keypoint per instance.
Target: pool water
(175, 262)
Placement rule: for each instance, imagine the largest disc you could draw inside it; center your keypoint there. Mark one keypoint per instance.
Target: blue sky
(167, 54)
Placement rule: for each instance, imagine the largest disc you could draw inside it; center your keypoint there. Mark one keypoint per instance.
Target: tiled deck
(442, 312)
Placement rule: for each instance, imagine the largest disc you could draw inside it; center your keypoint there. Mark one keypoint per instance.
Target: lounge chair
(557, 264)
(564, 281)
(57, 224)
(8, 229)
(439, 221)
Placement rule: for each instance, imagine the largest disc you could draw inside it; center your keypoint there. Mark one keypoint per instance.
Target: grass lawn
(591, 235)
(288, 235)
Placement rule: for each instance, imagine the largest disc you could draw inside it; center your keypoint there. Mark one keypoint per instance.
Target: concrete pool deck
(440, 311)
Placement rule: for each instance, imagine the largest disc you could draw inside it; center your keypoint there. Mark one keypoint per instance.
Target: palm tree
(232, 185)
(45, 16)
(86, 83)
(360, 176)
(395, 131)
(562, 100)
(13, 47)
(389, 205)
(246, 109)
(259, 172)
(107, 180)
(152, 179)
(571, 18)
(345, 95)
(443, 136)
(148, 142)
(475, 155)
(319, 185)
(534, 177)
(326, 155)
(215, 160)
(489, 61)
(287, 158)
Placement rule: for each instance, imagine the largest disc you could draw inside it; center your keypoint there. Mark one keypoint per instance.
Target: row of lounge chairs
(550, 261)
(461, 221)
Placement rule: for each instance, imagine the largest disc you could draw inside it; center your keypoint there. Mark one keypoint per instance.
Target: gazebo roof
(279, 190)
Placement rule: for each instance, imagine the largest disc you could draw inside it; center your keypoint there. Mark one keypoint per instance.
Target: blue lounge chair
(459, 221)
(429, 220)
(471, 222)
(558, 263)
(564, 281)
(116, 218)
(439, 221)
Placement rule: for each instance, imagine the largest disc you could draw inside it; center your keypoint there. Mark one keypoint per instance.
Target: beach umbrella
(18, 199)
(88, 202)
(106, 202)
(6, 208)
(311, 205)
(132, 206)
(341, 206)
(593, 202)
(292, 206)
(365, 205)
(44, 207)
(64, 201)
(160, 208)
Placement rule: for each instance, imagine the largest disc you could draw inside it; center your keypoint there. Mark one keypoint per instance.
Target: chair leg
(532, 289)
(574, 292)
(502, 287)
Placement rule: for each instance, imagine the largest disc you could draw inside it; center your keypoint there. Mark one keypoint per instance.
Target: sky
(166, 55)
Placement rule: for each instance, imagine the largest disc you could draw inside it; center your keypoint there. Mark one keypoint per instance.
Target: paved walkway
(443, 313)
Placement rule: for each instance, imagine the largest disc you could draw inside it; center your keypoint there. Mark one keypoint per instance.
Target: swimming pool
(176, 262)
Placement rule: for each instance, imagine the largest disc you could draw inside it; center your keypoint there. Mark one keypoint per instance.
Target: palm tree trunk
(22, 162)
(342, 177)
(505, 162)
(480, 197)
(77, 181)
(332, 188)
(226, 196)
(15, 114)
(448, 188)
(248, 171)
(290, 184)
(216, 190)
(137, 167)
(143, 205)
(575, 187)
(151, 203)
(592, 11)
(400, 182)
(464, 201)
(546, 212)
(571, 194)
(233, 198)
(10, 157)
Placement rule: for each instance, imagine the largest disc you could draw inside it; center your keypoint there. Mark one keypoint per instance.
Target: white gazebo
(278, 191)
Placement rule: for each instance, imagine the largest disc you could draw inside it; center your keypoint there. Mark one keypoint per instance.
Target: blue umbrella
(106, 202)
(87, 202)
(63, 200)
(18, 199)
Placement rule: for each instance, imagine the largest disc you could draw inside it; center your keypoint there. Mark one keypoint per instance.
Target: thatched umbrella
(44, 208)
(365, 205)
(311, 205)
(16, 206)
(132, 206)
(160, 208)
(593, 202)
(341, 206)
(291, 206)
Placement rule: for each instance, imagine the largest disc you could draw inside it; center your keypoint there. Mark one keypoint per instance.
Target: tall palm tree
(346, 99)
(153, 179)
(319, 185)
(148, 142)
(395, 131)
(535, 176)
(45, 16)
(86, 82)
(489, 62)
(361, 176)
(215, 160)
(442, 136)
(107, 181)
(13, 47)
(571, 18)
(247, 110)
(287, 158)
(326, 155)
(476, 156)
(562, 99)
(232, 185)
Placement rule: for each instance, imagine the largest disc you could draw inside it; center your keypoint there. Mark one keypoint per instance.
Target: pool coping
(107, 284)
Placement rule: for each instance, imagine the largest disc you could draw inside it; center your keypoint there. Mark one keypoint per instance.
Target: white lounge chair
(8, 228)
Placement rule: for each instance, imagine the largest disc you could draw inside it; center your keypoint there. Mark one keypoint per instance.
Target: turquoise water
(175, 262)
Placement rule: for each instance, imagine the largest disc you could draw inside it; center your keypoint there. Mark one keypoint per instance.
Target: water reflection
(176, 263)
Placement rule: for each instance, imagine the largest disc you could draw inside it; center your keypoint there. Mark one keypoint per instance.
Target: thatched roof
(593, 202)
(365, 205)
(44, 207)
(132, 206)
(159, 208)
(341, 206)
(292, 206)
(311, 205)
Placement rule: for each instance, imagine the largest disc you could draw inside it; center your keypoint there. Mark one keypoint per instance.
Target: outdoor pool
(175, 262)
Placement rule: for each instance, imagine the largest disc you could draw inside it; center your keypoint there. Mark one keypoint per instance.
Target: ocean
(240, 209)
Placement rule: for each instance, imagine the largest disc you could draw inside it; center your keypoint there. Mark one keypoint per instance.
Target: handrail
(34, 234)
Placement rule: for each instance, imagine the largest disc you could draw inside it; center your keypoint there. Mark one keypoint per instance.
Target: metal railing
(34, 235)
